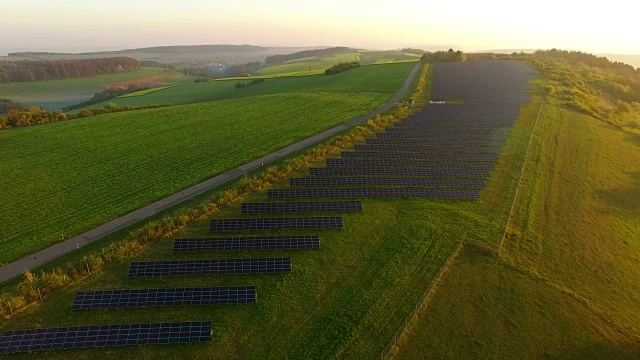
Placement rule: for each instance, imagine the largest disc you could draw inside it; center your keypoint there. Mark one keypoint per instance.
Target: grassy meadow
(567, 283)
(56, 94)
(378, 78)
(344, 300)
(67, 177)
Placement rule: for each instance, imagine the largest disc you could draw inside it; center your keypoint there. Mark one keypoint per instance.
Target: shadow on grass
(626, 200)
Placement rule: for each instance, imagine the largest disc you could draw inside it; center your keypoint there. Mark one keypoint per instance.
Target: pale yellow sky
(78, 25)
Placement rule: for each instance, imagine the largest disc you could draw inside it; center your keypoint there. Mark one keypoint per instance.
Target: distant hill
(181, 55)
(309, 53)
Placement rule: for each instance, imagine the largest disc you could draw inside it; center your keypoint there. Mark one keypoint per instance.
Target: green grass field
(56, 94)
(378, 78)
(68, 177)
(567, 283)
(309, 64)
(345, 300)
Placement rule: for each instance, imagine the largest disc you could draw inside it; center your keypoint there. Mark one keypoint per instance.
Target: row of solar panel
(435, 142)
(247, 243)
(426, 149)
(374, 193)
(209, 267)
(409, 172)
(386, 181)
(320, 222)
(280, 208)
(408, 163)
(418, 155)
(110, 299)
(79, 337)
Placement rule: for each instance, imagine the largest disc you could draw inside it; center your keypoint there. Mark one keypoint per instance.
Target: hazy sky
(82, 25)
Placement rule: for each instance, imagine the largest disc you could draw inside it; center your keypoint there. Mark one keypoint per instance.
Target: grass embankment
(345, 300)
(379, 78)
(68, 177)
(568, 280)
(56, 94)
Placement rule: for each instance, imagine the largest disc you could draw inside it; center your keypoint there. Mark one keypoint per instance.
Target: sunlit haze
(85, 25)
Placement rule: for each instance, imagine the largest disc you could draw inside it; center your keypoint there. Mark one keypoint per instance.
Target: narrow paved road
(42, 257)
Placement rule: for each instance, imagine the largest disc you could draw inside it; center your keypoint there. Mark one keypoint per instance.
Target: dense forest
(26, 70)
(308, 53)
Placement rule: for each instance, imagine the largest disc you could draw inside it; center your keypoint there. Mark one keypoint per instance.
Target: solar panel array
(110, 299)
(408, 163)
(374, 193)
(386, 181)
(381, 171)
(319, 222)
(209, 267)
(300, 207)
(247, 243)
(80, 337)
(435, 142)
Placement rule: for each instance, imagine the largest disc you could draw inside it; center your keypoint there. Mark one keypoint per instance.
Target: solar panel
(111, 299)
(426, 149)
(209, 267)
(386, 181)
(248, 243)
(418, 155)
(374, 193)
(319, 222)
(400, 163)
(437, 131)
(380, 171)
(80, 337)
(299, 207)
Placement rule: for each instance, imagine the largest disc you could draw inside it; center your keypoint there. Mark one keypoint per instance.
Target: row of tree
(16, 117)
(444, 56)
(338, 68)
(27, 70)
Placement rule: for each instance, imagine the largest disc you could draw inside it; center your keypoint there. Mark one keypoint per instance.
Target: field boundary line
(424, 299)
(524, 165)
(42, 257)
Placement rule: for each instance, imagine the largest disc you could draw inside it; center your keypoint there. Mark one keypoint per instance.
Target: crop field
(567, 282)
(56, 94)
(309, 64)
(143, 92)
(378, 78)
(67, 177)
(383, 57)
(344, 300)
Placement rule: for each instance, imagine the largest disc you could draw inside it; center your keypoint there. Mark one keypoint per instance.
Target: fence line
(427, 293)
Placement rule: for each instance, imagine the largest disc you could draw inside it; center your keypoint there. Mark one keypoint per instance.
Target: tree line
(444, 56)
(28, 70)
(342, 67)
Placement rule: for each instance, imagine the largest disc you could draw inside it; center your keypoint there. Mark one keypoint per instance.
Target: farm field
(567, 282)
(344, 300)
(56, 94)
(308, 64)
(82, 173)
(378, 78)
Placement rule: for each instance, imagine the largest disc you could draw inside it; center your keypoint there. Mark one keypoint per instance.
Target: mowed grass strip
(68, 177)
(568, 280)
(379, 78)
